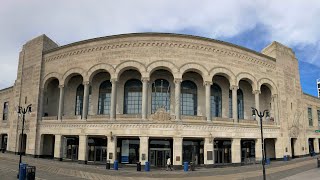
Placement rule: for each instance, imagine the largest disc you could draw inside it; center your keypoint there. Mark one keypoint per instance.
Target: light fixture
(111, 136)
(210, 138)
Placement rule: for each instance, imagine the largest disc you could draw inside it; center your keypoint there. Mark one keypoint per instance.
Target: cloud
(292, 22)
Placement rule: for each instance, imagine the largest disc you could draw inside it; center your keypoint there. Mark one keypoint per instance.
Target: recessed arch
(49, 77)
(120, 68)
(269, 83)
(70, 73)
(223, 72)
(248, 77)
(99, 68)
(196, 68)
(162, 64)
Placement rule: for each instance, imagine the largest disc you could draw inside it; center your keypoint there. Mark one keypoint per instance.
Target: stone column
(113, 99)
(144, 97)
(208, 151)
(275, 108)
(236, 150)
(234, 103)
(208, 99)
(258, 149)
(57, 147)
(83, 147)
(112, 149)
(257, 99)
(85, 100)
(177, 151)
(144, 149)
(177, 93)
(61, 98)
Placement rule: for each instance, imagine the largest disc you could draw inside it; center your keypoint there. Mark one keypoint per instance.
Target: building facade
(149, 96)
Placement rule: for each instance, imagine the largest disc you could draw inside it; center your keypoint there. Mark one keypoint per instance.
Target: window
(188, 99)
(160, 96)
(104, 97)
(5, 111)
(318, 112)
(90, 100)
(230, 104)
(310, 116)
(79, 100)
(216, 100)
(132, 97)
(240, 104)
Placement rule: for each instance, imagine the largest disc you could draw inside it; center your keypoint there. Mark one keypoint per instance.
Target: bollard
(115, 165)
(185, 166)
(147, 166)
(138, 166)
(108, 165)
(267, 161)
(23, 171)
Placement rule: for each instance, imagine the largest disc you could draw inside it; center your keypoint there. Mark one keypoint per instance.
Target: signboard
(317, 131)
(125, 151)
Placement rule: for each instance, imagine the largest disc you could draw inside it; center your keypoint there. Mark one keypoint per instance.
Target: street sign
(317, 131)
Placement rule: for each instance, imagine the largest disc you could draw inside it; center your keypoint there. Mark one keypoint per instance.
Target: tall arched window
(240, 104)
(160, 96)
(104, 97)
(230, 104)
(188, 101)
(132, 97)
(216, 100)
(79, 100)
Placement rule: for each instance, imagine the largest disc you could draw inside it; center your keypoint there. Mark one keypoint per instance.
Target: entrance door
(100, 154)
(293, 141)
(158, 157)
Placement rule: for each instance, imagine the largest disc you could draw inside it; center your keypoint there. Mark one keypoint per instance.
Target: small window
(310, 116)
(5, 111)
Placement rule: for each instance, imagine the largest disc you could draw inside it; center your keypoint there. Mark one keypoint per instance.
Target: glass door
(158, 156)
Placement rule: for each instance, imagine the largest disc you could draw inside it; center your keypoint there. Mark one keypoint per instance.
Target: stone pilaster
(85, 100)
(279, 148)
(236, 150)
(61, 98)
(275, 108)
(113, 99)
(83, 148)
(177, 93)
(144, 149)
(208, 99)
(112, 149)
(57, 147)
(258, 149)
(177, 151)
(208, 151)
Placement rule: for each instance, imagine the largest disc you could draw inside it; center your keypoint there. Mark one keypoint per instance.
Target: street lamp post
(261, 114)
(22, 111)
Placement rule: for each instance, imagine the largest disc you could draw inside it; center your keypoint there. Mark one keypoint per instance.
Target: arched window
(240, 104)
(216, 100)
(79, 100)
(230, 104)
(188, 101)
(132, 97)
(104, 97)
(160, 96)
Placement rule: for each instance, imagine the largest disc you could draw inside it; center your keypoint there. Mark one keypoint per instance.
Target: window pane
(79, 100)
(188, 100)
(132, 97)
(160, 97)
(104, 97)
(216, 100)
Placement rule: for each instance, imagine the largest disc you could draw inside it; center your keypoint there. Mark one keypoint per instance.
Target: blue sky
(249, 23)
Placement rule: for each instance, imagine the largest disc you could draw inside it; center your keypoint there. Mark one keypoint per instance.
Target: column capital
(61, 86)
(234, 87)
(256, 92)
(207, 83)
(113, 80)
(274, 96)
(145, 79)
(86, 83)
(177, 80)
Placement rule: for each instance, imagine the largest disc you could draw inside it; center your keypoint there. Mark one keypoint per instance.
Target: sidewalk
(276, 170)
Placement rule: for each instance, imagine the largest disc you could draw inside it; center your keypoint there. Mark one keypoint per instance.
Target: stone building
(150, 96)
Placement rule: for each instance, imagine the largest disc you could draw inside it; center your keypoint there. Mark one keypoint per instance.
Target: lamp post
(22, 111)
(261, 114)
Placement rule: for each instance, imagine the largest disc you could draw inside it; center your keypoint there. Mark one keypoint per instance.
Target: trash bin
(285, 158)
(318, 160)
(147, 166)
(108, 165)
(31, 172)
(138, 166)
(185, 166)
(192, 166)
(267, 161)
(115, 165)
(22, 171)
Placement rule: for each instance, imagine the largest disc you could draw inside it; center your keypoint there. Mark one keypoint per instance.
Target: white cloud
(291, 22)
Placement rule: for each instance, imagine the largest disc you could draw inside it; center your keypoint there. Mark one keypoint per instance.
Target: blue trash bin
(23, 171)
(115, 165)
(185, 166)
(267, 161)
(285, 158)
(147, 166)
